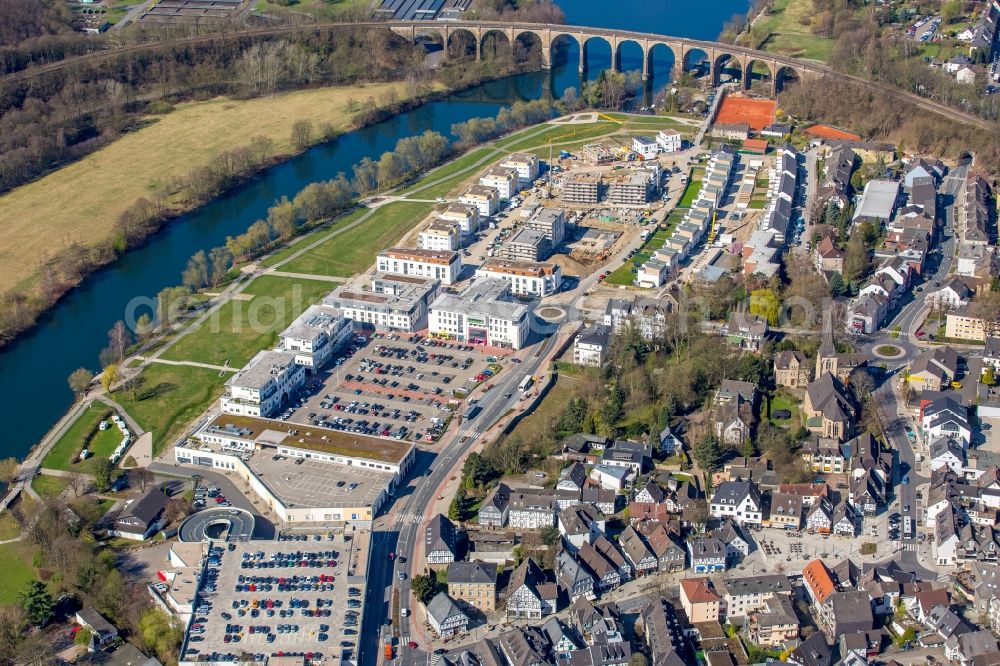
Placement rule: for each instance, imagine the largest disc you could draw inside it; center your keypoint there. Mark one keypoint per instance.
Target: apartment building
(551, 222)
(443, 265)
(467, 216)
(505, 181)
(591, 345)
(526, 245)
(440, 236)
(742, 596)
(961, 325)
(315, 334)
(631, 188)
(485, 199)
(526, 278)
(473, 584)
(481, 314)
(669, 140)
(582, 188)
(526, 165)
(263, 385)
(645, 147)
(395, 303)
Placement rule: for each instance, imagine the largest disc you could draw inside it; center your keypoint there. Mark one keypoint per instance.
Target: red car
(412, 645)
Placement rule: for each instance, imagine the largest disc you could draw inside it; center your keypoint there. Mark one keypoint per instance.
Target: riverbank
(104, 188)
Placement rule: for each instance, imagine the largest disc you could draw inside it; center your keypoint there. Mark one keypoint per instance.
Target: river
(34, 369)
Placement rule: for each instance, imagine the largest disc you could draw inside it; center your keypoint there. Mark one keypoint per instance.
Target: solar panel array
(422, 10)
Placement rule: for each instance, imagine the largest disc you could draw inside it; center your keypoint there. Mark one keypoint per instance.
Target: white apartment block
(504, 181)
(526, 165)
(669, 140)
(645, 147)
(591, 345)
(485, 199)
(315, 335)
(444, 265)
(482, 314)
(466, 215)
(526, 278)
(395, 303)
(263, 385)
(440, 236)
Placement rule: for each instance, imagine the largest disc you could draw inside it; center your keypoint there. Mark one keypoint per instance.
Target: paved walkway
(193, 364)
(305, 276)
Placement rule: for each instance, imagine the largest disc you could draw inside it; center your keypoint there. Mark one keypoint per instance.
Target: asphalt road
(399, 530)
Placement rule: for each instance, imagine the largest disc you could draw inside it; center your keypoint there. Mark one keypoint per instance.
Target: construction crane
(712, 231)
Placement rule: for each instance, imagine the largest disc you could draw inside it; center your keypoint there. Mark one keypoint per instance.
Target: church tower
(826, 357)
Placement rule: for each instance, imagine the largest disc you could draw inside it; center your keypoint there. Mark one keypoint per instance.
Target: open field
(788, 36)
(531, 427)
(80, 202)
(49, 486)
(239, 329)
(61, 455)
(169, 398)
(16, 571)
(295, 246)
(354, 251)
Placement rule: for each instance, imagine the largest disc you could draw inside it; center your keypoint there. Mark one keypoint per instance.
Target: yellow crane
(711, 232)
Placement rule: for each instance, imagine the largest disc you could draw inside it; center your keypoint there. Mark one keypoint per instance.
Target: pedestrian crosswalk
(944, 577)
(909, 545)
(408, 518)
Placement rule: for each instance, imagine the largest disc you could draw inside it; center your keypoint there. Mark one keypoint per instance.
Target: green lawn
(354, 251)
(104, 442)
(239, 329)
(49, 486)
(169, 398)
(559, 133)
(288, 251)
(690, 192)
(757, 204)
(9, 527)
(623, 275)
(782, 401)
(16, 571)
(449, 171)
(788, 36)
(69, 445)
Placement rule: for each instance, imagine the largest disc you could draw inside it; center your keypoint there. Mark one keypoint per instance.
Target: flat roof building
(526, 245)
(443, 265)
(371, 467)
(582, 188)
(630, 188)
(526, 278)
(315, 335)
(551, 222)
(878, 202)
(264, 384)
(482, 314)
(395, 303)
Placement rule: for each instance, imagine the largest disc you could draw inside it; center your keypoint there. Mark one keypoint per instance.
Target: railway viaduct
(719, 56)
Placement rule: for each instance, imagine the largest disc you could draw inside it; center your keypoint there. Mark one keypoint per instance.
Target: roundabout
(228, 524)
(888, 351)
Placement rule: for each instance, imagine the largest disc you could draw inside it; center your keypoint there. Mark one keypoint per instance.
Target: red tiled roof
(819, 580)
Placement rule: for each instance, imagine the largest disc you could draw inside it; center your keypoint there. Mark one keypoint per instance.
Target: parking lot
(271, 597)
(316, 483)
(400, 386)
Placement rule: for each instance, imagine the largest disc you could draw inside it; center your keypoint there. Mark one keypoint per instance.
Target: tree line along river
(33, 369)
